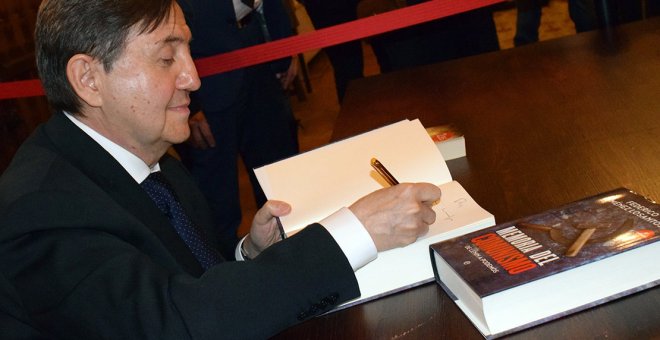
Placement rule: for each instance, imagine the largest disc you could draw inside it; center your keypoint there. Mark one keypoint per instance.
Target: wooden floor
(317, 113)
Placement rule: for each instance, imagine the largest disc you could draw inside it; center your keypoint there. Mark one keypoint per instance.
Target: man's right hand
(398, 215)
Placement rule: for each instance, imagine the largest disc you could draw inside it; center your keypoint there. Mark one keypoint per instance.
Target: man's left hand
(264, 231)
(286, 78)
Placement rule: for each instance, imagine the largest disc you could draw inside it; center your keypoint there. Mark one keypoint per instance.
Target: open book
(319, 182)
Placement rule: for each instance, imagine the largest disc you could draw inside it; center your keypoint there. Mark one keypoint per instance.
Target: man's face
(145, 96)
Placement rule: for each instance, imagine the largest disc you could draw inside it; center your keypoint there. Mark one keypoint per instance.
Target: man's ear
(82, 71)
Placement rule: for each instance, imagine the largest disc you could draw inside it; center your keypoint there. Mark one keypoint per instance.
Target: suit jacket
(91, 256)
(214, 28)
(14, 321)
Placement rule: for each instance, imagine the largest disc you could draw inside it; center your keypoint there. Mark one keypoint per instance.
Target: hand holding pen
(398, 215)
(389, 178)
(266, 228)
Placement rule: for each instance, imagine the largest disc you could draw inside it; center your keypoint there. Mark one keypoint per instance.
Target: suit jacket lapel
(84, 153)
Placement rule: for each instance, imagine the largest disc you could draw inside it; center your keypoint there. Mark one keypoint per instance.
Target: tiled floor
(317, 113)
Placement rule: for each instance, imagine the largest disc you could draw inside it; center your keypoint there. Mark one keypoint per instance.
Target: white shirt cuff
(352, 237)
(237, 252)
(348, 232)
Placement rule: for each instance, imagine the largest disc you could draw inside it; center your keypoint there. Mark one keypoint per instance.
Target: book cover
(509, 258)
(441, 133)
(449, 140)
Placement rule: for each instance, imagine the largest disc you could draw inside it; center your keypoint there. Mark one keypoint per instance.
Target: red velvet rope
(277, 49)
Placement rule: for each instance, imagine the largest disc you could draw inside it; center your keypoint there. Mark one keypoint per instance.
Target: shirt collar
(135, 166)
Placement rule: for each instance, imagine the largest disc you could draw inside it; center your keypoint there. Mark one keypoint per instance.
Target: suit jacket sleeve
(90, 256)
(280, 26)
(14, 322)
(278, 19)
(81, 277)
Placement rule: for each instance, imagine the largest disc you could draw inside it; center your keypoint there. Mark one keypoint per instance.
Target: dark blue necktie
(160, 191)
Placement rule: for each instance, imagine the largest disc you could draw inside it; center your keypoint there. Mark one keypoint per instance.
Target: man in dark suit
(458, 36)
(346, 59)
(104, 235)
(245, 112)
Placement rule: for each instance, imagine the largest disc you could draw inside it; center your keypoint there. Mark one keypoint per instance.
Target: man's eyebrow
(174, 39)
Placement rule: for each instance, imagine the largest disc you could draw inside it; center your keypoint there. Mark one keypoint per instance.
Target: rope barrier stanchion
(358, 29)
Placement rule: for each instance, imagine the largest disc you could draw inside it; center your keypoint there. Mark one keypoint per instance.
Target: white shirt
(242, 9)
(343, 225)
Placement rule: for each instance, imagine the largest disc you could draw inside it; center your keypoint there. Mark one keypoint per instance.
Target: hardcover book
(449, 140)
(319, 182)
(518, 274)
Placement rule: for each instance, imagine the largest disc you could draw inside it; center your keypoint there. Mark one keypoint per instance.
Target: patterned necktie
(160, 191)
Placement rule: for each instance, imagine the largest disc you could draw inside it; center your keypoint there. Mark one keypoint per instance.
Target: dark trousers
(582, 13)
(346, 59)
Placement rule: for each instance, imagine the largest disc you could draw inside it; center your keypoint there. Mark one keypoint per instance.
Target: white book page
(319, 182)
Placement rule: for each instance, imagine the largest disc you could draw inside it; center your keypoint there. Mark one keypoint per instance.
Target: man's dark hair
(98, 28)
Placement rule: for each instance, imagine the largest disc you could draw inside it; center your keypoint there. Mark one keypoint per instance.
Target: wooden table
(545, 124)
